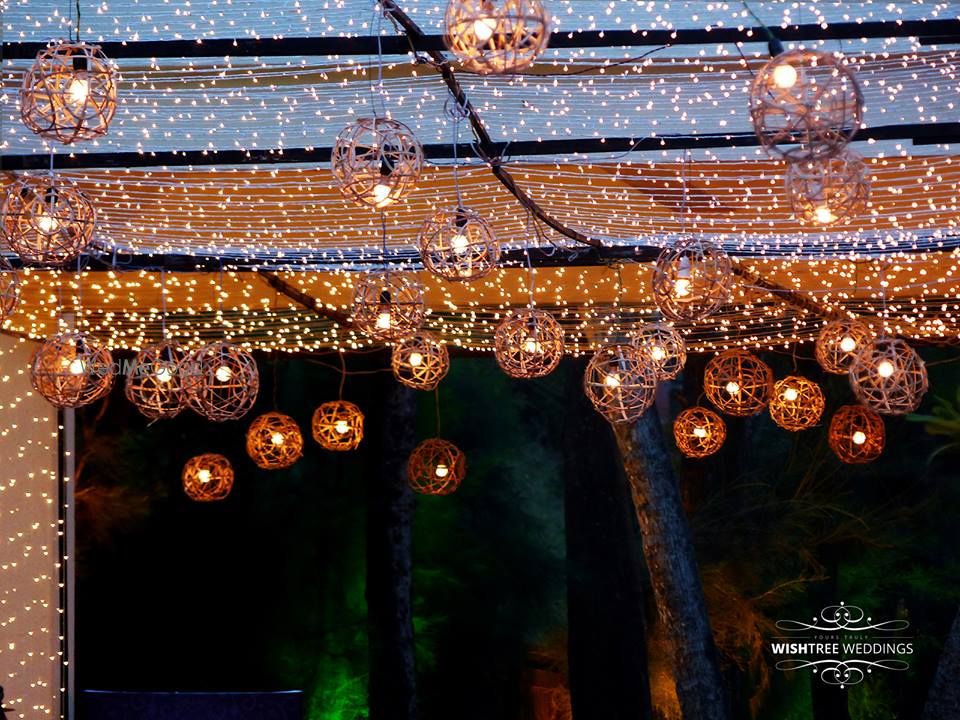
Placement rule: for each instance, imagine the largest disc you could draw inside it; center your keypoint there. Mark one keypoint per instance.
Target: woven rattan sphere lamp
(699, 432)
(420, 361)
(436, 467)
(155, 381)
(46, 221)
(9, 289)
(376, 161)
(839, 342)
(70, 93)
(338, 426)
(738, 383)
(387, 306)
(621, 382)
(691, 280)
(828, 191)
(207, 477)
(502, 36)
(889, 377)
(528, 343)
(797, 403)
(459, 245)
(222, 381)
(804, 104)
(274, 441)
(72, 369)
(857, 434)
(664, 346)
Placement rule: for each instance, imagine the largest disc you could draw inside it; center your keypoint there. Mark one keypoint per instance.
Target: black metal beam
(939, 31)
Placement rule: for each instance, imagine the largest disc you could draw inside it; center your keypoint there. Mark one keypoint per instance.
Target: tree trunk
(674, 576)
(943, 701)
(605, 594)
(390, 505)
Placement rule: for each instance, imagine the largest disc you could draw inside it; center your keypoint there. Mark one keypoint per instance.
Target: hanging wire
(457, 112)
(163, 303)
(526, 252)
(79, 301)
(77, 33)
(436, 402)
(683, 191)
(343, 374)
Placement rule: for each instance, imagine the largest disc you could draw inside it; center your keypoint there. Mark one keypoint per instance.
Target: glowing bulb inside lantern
(484, 28)
(164, 375)
(790, 394)
(612, 381)
(381, 195)
(681, 287)
(657, 353)
(223, 374)
(77, 366)
(459, 243)
(700, 432)
(277, 438)
(859, 437)
(77, 91)
(824, 215)
(416, 359)
(383, 320)
(441, 471)
(47, 223)
(885, 368)
(785, 76)
(203, 475)
(848, 344)
(342, 427)
(530, 345)
(733, 388)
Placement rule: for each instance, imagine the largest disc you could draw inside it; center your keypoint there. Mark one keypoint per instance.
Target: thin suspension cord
(530, 269)
(163, 303)
(383, 239)
(78, 22)
(436, 399)
(343, 373)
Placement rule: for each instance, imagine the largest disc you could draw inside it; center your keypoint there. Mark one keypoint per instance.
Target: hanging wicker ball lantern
(501, 37)
(889, 376)
(620, 382)
(738, 383)
(387, 306)
(691, 280)
(46, 221)
(459, 245)
(528, 343)
(828, 191)
(839, 342)
(69, 93)
(857, 434)
(797, 403)
(222, 381)
(804, 104)
(207, 477)
(72, 369)
(376, 161)
(338, 426)
(436, 467)
(155, 382)
(274, 441)
(665, 348)
(9, 289)
(420, 361)
(699, 432)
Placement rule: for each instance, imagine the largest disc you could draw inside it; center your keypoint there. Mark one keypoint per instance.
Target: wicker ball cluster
(274, 441)
(664, 347)
(70, 93)
(805, 104)
(222, 381)
(207, 477)
(436, 467)
(459, 245)
(857, 434)
(376, 161)
(699, 432)
(501, 37)
(387, 306)
(797, 403)
(738, 383)
(155, 381)
(72, 369)
(9, 289)
(828, 191)
(889, 377)
(528, 343)
(46, 221)
(338, 426)
(420, 361)
(620, 382)
(691, 280)
(839, 342)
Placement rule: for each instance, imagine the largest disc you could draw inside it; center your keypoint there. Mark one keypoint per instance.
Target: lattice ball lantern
(72, 369)
(222, 381)
(665, 347)
(155, 380)
(699, 432)
(889, 377)
(839, 342)
(46, 221)
(738, 383)
(691, 280)
(274, 441)
(387, 306)
(797, 403)
(436, 467)
(528, 343)
(828, 191)
(621, 382)
(420, 361)
(376, 161)
(207, 477)
(69, 93)
(459, 245)
(502, 36)
(338, 426)
(857, 434)
(9, 289)
(804, 104)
